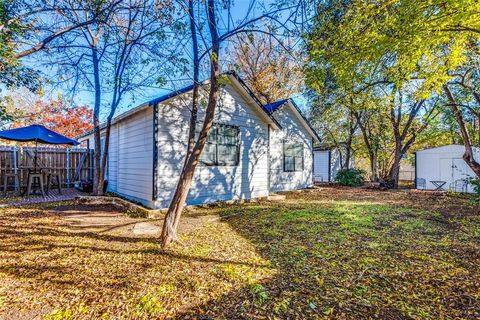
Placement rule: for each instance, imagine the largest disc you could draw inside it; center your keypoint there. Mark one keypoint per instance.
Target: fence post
(68, 167)
(15, 167)
(90, 173)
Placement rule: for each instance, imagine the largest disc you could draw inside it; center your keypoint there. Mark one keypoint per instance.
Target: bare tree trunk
(395, 120)
(348, 153)
(96, 121)
(172, 218)
(370, 149)
(352, 127)
(104, 156)
(468, 154)
(394, 171)
(402, 145)
(196, 69)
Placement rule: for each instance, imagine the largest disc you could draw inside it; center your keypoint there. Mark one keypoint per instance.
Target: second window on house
(222, 147)
(292, 156)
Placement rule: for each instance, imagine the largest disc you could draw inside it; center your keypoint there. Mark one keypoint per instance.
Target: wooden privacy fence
(73, 164)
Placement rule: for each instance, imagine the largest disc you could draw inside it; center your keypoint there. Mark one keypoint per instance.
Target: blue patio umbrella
(36, 133)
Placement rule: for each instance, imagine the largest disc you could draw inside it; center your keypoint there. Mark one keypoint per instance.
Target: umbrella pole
(35, 158)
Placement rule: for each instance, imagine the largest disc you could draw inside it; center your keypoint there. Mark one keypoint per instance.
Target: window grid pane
(223, 146)
(293, 157)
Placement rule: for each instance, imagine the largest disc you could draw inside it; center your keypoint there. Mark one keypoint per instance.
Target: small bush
(259, 294)
(475, 183)
(350, 177)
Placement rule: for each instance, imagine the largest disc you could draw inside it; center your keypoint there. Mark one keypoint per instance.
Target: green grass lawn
(332, 253)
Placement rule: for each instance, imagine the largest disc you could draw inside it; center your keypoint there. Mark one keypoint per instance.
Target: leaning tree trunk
(172, 218)
(394, 170)
(468, 154)
(196, 71)
(352, 127)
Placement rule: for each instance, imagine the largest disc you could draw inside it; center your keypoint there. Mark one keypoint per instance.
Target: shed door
(446, 173)
(451, 170)
(459, 169)
(321, 166)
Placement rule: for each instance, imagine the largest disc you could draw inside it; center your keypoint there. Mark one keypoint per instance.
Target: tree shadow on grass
(349, 262)
(315, 260)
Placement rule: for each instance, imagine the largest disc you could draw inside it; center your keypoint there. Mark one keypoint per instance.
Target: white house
(443, 166)
(252, 150)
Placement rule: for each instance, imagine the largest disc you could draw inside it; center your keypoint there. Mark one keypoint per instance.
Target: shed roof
(448, 148)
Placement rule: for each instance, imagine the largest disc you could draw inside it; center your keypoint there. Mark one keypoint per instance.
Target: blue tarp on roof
(36, 133)
(272, 107)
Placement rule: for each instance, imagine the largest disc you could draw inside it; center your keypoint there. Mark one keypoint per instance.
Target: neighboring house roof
(274, 106)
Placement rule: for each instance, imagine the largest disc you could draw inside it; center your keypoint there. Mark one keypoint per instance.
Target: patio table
(438, 185)
(34, 172)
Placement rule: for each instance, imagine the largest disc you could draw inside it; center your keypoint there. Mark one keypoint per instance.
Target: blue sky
(238, 12)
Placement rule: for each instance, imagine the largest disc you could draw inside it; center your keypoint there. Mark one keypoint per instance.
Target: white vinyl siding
(246, 180)
(130, 157)
(135, 160)
(293, 131)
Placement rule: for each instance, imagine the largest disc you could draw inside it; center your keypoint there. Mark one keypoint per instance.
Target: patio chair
(9, 177)
(421, 183)
(53, 180)
(459, 185)
(35, 182)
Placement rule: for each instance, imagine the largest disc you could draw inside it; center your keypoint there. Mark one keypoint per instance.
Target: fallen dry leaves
(330, 253)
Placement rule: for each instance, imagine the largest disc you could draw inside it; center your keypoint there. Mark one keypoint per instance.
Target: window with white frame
(292, 156)
(223, 145)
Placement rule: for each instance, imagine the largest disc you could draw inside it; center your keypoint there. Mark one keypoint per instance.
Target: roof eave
(269, 119)
(305, 122)
(121, 116)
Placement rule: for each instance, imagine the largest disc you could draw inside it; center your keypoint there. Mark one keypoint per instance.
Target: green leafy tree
(402, 51)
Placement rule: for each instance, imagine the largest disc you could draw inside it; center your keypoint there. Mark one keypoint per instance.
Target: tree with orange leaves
(269, 67)
(55, 114)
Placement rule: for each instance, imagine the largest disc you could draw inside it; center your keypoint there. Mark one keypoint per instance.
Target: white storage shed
(321, 165)
(443, 166)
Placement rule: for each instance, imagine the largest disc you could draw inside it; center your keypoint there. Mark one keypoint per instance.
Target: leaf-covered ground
(330, 253)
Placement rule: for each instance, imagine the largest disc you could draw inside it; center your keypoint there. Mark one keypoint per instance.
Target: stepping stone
(276, 197)
(146, 228)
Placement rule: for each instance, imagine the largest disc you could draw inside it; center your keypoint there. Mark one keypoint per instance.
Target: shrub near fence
(73, 164)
